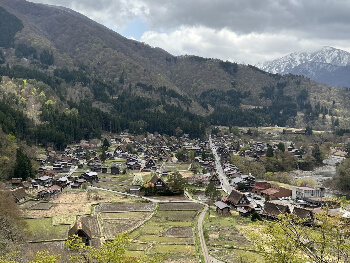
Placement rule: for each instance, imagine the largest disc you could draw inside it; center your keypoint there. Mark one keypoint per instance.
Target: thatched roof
(303, 212)
(79, 226)
(273, 209)
(19, 194)
(156, 178)
(235, 196)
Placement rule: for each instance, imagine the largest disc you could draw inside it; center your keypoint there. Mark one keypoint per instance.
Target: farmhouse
(19, 194)
(305, 214)
(159, 183)
(272, 210)
(240, 202)
(115, 169)
(214, 179)
(49, 192)
(82, 231)
(222, 208)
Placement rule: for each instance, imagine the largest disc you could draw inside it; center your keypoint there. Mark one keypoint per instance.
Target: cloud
(309, 18)
(228, 45)
(241, 30)
(112, 13)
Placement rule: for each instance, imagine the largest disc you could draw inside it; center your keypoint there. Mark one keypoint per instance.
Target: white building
(307, 192)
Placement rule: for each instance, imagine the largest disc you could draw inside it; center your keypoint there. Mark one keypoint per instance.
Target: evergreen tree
(23, 166)
(269, 152)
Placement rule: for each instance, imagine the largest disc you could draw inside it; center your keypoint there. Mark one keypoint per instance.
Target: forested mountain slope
(73, 78)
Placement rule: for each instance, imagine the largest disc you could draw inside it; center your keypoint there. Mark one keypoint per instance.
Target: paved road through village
(224, 182)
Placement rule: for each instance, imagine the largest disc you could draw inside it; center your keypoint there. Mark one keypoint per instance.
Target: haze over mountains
(328, 65)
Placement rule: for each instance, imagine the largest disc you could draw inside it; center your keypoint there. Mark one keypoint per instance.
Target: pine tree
(23, 167)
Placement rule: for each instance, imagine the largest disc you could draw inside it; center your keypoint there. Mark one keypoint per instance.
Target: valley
(112, 150)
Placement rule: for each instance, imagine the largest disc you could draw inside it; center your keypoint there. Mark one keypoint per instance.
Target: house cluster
(271, 191)
(272, 209)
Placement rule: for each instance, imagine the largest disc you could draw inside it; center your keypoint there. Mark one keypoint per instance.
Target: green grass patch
(134, 253)
(181, 249)
(41, 229)
(172, 240)
(63, 220)
(169, 224)
(151, 230)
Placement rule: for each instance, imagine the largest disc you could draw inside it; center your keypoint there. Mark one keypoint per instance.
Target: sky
(243, 31)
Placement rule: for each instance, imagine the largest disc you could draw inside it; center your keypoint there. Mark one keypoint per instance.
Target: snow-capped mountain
(328, 65)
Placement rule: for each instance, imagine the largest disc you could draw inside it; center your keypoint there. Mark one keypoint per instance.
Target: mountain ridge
(325, 65)
(78, 64)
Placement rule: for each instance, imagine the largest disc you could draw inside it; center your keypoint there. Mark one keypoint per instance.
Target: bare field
(180, 206)
(61, 209)
(111, 227)
(121, 207)
(175, 215)
(179, 232)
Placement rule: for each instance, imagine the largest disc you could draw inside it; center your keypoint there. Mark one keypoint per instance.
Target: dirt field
(180, 206)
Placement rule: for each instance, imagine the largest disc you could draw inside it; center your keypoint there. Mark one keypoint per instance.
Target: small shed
(222, 208)
(82, 231)
(115, 169)
(134, 189)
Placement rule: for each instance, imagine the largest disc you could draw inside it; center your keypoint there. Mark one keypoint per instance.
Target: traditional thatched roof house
(82, 231)
(159, 183)
(19, 194)
(304, 213)
(237, 198)
(272, 210)
(214, 179)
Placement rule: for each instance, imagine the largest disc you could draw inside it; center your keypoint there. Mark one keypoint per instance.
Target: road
(224, 182)
(207, 257)
(71, 171)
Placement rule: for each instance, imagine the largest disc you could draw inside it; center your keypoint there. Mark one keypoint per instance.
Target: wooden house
(239, 200)
(303, 213)
(273, 210)
(82, 231)
(115, 169)
(159, 183)
(222, 208)
(19, 194)
(16, 182)
(49, 192)
(214, 179)
(150, 163)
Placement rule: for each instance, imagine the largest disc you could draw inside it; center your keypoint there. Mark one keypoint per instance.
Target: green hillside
(73, 79)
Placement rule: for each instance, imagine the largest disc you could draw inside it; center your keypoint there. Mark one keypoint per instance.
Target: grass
(227, 236)
(181, 249)
(151, 230)
(63, 220)
(161, 239)
(43, 230)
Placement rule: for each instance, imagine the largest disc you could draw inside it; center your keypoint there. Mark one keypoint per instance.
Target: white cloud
(241, 30)
(227, 45)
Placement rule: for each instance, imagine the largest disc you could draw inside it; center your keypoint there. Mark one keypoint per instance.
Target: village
(116, 184)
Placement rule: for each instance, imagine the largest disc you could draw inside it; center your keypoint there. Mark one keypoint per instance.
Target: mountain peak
(323, 65)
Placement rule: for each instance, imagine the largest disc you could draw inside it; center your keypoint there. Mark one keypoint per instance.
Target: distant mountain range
(75, 78)
(328, 65)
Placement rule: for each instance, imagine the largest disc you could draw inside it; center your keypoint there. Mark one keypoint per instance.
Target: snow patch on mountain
(327, 55)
